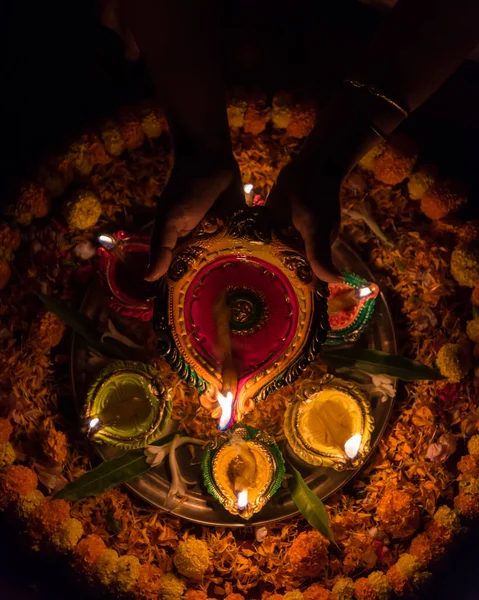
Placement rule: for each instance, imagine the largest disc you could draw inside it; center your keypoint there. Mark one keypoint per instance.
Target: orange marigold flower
(363, 590)
(33, 202)
(405, 574)
(148, 584)
(234, 597)
(130, 129)
(257, 114)
(469, 465)
(96, 150)
(317, 592)
(467, 504)
(397, 160)
(47, 331)
(398, 514)
(54, 443)
(422, 550)
(47, 517)
(281, 113)
(4, 274)
(111, 137)
(473, 445)
(308, 554)
(6, 431)
(443, 198)
(475, 296)
(16, 481)
(439, 536)
(9, 241)
(302, 121)
(88, 551)
(196, 595)
(274, 597)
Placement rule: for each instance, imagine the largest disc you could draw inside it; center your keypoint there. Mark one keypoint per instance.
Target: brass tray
(199, 506)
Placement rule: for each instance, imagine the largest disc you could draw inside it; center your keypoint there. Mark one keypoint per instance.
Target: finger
(163, 241)
(318, 250)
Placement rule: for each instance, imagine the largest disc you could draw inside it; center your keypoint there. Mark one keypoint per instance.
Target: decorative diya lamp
(242, 469)
(239, 312)
(350, 308)
(123, 262)
(329, 423)
(127, 406)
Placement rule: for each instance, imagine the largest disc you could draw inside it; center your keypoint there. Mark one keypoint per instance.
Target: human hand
(193, 188)
(309, 199)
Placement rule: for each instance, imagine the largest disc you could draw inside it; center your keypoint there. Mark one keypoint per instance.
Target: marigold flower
(54, 444)
(421, 180)
(236, 111)
(467, 504)
(9, 241)
(379, 583)
(152, 123)
(257, 114)
(47, 331)
(148, 584)
(27, 503)
(47, 517)
(468, 465)
(54, 180)
(197, 595)
(308, 554)
(469, 485)
(6, 431)
(447, 517)
(396, 161)
(127, 571)
(368, 160)
(235, 597)
(171, 588)
(294, 595)
(111, 137)
(106, 566)
(473, 445)
(472, 330)
(403, 575)
(317, 592)
(453, 361)
(7, 455)
(88, 551)
(16, 481)
(79, 157)
(130, 129)
(475, 296)
(343, 589)
(302, 121)
(67, 535)
(33, 202)
(281, 113)
(465, 266)
(191, 558)
(421, 549)
(363, 590)
(83, 210)
(398, 514)
(443, 198)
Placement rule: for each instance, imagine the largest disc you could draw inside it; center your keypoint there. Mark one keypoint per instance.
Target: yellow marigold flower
(465, 266)
(368, 160)
(148, 584)
(397, 160)
(379, 583)
(33, 202)
(407, 565)
(294, 595)
(67, 535)
(88, 551)
(171, 588)
(128, 569)
(443, 198)
(398, 514)
(421, 180)
(196, 595)
(79, 158)
(83, 210)
(111, 137)
(343, 589)
(447, 517)
(191, 558)
(236, 111)
(151, 123)
(453, 361)
(469, 485)
(106, 566)
(317, 592)
(469, 465)
(48, 516)
(28, 503)
(473, 445)
(281, 113)
(15, 481)
(308, 554)
(7, 455)
(47, 331)
(6, 431)
(403, 575)
(472, 330)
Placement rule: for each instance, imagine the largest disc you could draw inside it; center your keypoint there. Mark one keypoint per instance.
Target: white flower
(155, 455)
(381, 386)
(85, 250)
(260, 533)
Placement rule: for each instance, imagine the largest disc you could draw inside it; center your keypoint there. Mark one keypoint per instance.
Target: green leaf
(111, 473)
(309, 505)
(82, 325)
(377, 362)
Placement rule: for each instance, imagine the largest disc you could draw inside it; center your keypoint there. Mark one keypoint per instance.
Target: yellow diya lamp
(329, 423)
(242, 469)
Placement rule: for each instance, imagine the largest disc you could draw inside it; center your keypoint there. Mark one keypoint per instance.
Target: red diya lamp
(123, 262)
(240, 314)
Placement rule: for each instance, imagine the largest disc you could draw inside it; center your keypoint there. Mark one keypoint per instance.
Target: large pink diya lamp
(123, 263)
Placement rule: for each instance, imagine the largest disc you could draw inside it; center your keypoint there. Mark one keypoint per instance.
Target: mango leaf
(377, 362)
(111, 473)
(309, 505)
(84, 326)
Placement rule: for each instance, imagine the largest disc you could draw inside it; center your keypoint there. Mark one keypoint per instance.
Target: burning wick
(248, 188)
(351, 447)
(364, 292)
(242, 499)
(93, 426)
(110, 243)
(226, 403)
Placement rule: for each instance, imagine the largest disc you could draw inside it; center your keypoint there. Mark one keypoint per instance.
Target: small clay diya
(350, 308)
(123, 262)
(274, 316)
(242, 469)
(128, 405)
(329, 423)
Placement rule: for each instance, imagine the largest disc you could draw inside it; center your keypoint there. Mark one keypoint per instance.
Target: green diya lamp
(350, 308)
(127, 406)
(329, 423)
(242, 469)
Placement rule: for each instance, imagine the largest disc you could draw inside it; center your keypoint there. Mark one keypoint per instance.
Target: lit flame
(248, 188)
(351, 447)
(107, 241)
(364, 292)
(226, 403)
(242, 499)
(94, 423)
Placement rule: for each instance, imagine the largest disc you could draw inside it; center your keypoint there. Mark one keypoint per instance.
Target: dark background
(60, 69)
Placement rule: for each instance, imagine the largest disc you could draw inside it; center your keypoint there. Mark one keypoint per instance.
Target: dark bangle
(377, 93)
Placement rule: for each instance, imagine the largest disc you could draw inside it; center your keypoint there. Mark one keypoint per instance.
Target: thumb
(318, 253)
(163, 240)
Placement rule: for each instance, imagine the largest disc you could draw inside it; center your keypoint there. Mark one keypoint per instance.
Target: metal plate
(199, 505)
